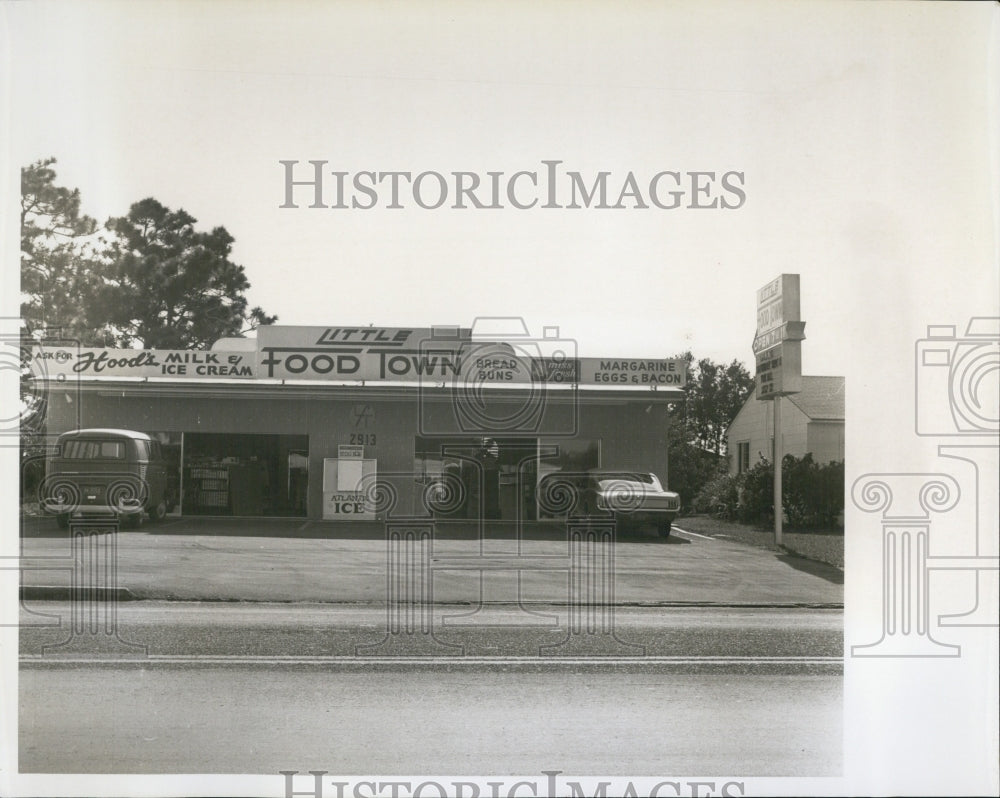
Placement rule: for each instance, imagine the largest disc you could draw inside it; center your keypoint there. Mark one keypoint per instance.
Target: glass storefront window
(562, 470)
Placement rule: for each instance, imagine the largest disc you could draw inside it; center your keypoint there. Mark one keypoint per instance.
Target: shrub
(812, 494)
(719, 496)
(690, 469)
(756, 495)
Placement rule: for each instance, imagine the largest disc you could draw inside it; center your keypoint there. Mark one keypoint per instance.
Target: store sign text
(777, 343)
(597, 371)
(469, 366)
(465, 363)
(356, 339)
(348, 505)
(366, 366)
(769, 372)
(145, 363)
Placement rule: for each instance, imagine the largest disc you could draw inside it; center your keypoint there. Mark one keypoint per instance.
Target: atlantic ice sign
(777, 345)
(60, 362)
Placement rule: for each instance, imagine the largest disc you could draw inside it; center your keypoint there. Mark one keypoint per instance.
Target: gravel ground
(823, 546)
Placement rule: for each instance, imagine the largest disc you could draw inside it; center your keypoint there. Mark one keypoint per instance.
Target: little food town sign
(446, 355)
(368, 354)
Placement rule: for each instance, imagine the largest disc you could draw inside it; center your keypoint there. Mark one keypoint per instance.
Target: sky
(867, 134)
(195, 104)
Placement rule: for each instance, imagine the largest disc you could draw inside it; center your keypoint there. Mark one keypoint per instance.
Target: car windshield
(93, 450)
(604, 480)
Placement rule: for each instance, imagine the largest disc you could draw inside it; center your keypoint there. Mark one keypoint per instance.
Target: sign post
(777, 348)
(779, 455)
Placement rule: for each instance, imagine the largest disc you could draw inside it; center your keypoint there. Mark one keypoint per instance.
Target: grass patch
(823, 545)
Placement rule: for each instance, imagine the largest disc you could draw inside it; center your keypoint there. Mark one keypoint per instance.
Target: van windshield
(93, 450)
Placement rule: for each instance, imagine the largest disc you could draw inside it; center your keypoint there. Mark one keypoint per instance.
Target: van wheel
(664, 529)
(130, 520)
(63, 520)
(157, 513)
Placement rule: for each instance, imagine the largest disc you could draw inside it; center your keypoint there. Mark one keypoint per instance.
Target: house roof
(821, 398)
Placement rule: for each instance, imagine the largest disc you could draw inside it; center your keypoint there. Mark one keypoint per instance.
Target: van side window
(154, 451)
(114, 450)
(94, 450)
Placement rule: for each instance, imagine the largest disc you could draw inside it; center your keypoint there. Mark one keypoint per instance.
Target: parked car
(631, 498)
(116, 472)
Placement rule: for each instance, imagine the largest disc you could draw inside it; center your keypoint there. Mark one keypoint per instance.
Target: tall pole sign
(777, 348)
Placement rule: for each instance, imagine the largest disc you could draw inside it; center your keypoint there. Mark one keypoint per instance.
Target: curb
(64, 593)
(811, 558)
(457, 663)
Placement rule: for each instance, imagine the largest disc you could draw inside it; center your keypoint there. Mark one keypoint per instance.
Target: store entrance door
(497, 475)
(513, 483)
(245, 475)
(562, 476)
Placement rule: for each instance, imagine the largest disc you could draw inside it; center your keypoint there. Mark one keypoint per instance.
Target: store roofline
(247, 389)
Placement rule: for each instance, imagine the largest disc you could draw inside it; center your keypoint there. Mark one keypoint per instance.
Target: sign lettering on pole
(779, 370)
(777, 348)
(777, 345)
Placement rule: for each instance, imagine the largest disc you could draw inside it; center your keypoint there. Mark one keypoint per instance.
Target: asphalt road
(229, 688)
(197, 629)
(239, 718)
(279, 653)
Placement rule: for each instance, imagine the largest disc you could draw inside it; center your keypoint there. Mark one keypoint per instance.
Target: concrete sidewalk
(296, 560)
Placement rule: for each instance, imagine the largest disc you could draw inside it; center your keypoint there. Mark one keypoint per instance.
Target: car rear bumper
(658, 516)
(95, 510)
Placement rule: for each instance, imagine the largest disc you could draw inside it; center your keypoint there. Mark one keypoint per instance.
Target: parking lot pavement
(298, 560)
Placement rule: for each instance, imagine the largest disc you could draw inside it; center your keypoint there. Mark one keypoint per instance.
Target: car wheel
(664, 529)
(158, 512)
(63, 520)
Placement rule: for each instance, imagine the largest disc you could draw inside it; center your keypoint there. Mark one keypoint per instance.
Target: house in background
(811, 420)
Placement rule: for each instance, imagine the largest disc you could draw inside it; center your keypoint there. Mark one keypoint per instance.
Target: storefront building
(346, 423)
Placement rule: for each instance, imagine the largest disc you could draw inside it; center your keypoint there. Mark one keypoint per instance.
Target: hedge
(812, 494)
